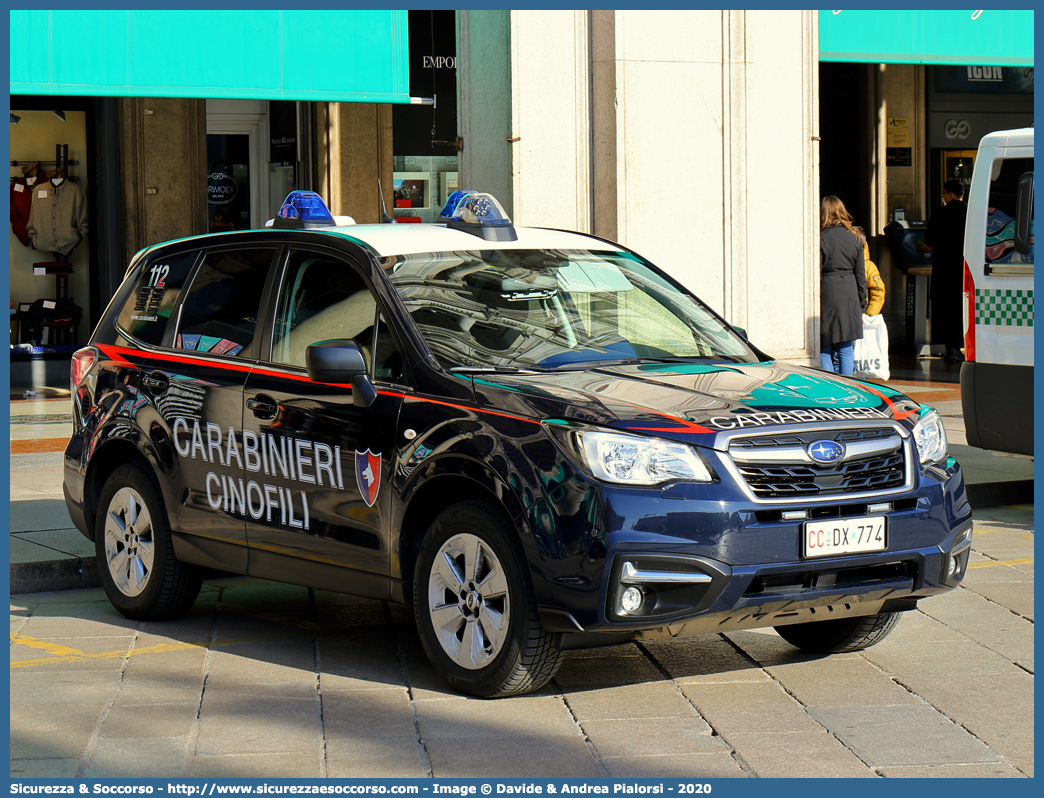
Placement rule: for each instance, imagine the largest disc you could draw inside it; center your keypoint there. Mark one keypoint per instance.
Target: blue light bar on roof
(304, 209)
(479, 214)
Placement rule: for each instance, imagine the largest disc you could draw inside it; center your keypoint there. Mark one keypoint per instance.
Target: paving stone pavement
(268, 680)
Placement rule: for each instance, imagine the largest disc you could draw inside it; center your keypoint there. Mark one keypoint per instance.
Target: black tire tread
(179, 587)
(840, 636)
(539, 657)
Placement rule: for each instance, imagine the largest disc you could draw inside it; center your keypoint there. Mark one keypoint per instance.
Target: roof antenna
(385, 218)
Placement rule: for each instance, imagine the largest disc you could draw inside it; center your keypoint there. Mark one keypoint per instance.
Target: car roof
(410, 239)
(413, 239)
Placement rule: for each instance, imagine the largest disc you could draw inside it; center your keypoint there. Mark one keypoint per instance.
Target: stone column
(484, 104)
(163, 170)
(353, 145)
(899, 93)
(896, 91)
(604, 133)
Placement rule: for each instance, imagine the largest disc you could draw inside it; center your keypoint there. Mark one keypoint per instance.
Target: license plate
(843, 536)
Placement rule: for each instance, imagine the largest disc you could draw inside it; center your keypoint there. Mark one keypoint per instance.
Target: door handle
(157, 382)
(262, 406)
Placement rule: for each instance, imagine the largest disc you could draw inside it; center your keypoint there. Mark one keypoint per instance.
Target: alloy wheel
(129, 549)
(468, 601)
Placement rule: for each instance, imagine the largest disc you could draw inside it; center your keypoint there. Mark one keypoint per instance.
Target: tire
(475, 608)
(135, 553)
(841, 635)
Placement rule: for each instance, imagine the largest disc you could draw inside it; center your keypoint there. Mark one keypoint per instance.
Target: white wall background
(686, 135)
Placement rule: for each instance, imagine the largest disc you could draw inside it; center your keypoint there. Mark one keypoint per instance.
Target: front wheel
(135, 554)
(475, 608)
(841, 635)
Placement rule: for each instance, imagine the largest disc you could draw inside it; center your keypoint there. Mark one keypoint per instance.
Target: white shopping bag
(871, 351)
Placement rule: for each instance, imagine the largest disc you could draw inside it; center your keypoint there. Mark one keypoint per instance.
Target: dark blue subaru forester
(536, 438)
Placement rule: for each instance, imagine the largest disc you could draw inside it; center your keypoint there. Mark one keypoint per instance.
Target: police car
(535, 437)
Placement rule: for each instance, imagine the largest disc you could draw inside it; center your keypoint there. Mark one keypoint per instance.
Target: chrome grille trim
(746, 448)
(798, 454)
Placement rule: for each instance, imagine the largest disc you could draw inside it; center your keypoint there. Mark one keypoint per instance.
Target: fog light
(793, 515)
(631, 599)
(883, 507)
(957, 562)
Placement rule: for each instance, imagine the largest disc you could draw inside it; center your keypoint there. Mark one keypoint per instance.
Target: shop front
(56, 244)
(117, 144)
(905, 97)
(425, 137)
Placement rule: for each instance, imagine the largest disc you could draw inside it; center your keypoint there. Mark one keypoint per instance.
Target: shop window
(219, 314)
(228, 182)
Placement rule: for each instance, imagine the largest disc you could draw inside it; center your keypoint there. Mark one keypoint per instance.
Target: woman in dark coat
(842, 293)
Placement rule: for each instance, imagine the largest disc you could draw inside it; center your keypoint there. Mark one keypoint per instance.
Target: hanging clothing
(58, 219)
(21, 205)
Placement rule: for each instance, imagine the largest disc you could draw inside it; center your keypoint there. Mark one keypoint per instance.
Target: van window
(155, 294)
(1000, 222)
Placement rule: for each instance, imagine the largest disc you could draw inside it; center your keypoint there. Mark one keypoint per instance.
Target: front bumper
(753, 572)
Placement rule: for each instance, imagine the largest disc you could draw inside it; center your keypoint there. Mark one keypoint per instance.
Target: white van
(997, 376)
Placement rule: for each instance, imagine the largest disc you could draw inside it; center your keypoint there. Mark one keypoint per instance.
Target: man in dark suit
(945, 235)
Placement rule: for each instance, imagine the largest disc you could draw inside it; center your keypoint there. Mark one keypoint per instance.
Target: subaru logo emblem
(826, 451)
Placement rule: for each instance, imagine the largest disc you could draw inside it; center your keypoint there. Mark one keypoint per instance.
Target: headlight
(635, 460)
(930, 437)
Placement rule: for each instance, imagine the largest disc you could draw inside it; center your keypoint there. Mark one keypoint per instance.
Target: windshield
(553, 309)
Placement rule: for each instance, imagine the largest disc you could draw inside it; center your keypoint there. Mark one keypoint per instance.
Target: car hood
(695, 402)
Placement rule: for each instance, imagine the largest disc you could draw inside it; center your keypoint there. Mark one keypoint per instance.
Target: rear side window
(148, 308)
(219, 314)
(1000, 223)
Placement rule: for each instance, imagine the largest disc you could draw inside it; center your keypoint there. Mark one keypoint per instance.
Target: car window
(322, 298)
(149, 305)
(219, 314)
(388, 362)
(553, 309)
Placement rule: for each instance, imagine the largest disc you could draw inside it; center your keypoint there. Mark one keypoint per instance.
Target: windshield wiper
(582, 365)
(496, 370)
(624, 361)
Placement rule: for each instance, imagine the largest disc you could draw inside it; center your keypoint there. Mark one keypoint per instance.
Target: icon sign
(957, 129)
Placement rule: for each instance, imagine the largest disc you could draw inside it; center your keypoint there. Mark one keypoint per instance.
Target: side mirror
(741, 333)
(340, 361)
(1024, 214)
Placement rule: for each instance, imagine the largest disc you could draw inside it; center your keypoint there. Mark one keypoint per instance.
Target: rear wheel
(135, 554)
(474, 605)
(841, 635)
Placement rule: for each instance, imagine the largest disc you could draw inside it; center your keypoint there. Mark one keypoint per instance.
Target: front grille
(777, 467)
(821, 511)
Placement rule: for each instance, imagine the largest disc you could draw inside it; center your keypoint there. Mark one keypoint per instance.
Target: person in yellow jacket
(875, 287)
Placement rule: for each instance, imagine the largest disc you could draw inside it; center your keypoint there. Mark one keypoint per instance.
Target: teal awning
(334, 56)
(978, 38)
